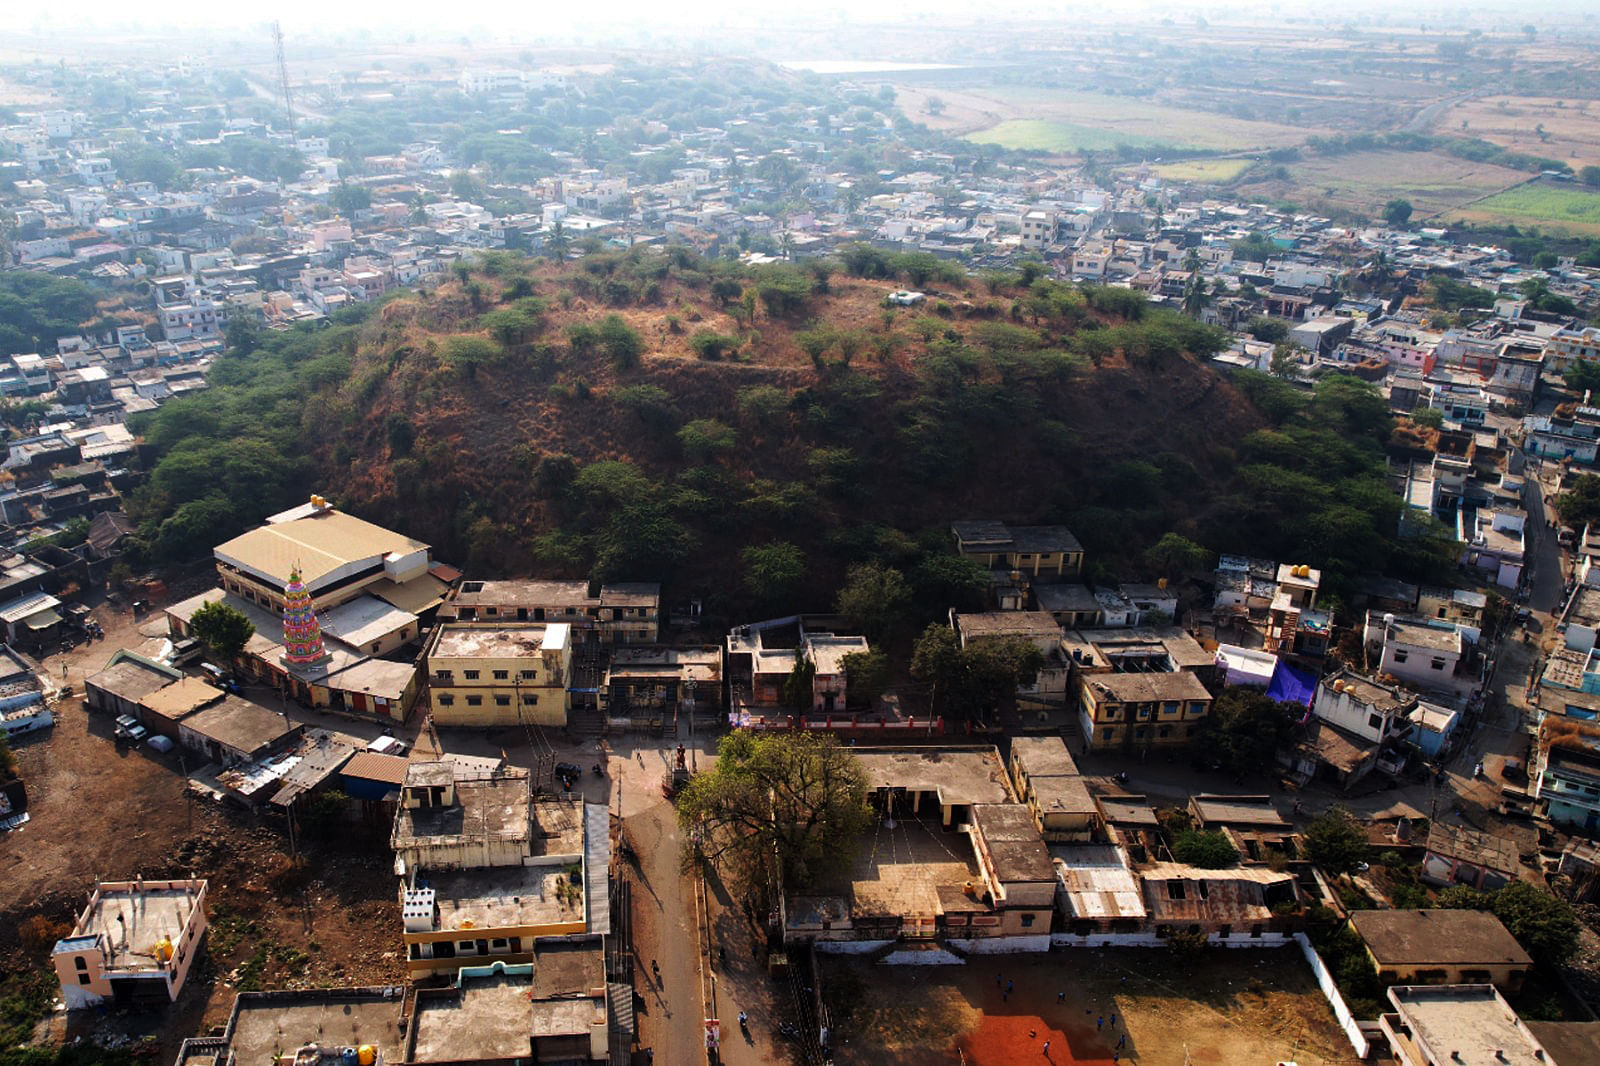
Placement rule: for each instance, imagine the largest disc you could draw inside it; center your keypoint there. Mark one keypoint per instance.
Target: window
(502, 701)
(529, 675)
(502, 675)
(443, 675)
(81, 963)
(447, 700)
(470, 675)
(474, 701)
(1138, 734)
(529, 699)
(1437, 663)
(1401, 655)
(1170, 707)
(1196, 709)
(1375, 721)
(1027, 921)
(83, 978)
(1144, 714)
(1164, 732)
(1108, 734)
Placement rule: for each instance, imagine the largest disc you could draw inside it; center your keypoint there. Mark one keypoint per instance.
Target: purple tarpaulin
(1292, 684)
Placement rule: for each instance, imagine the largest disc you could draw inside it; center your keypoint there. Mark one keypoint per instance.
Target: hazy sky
(518, 19)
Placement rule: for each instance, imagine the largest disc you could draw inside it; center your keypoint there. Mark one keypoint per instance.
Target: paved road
(1542, 551)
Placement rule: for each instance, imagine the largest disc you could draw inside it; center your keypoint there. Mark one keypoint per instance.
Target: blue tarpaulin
(1292, 684)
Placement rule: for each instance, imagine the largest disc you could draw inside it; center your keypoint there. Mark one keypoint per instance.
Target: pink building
(134, 943)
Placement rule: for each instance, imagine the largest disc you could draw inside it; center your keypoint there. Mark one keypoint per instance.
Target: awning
(43, 620)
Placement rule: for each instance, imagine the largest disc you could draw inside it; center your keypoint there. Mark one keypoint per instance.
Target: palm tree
(557, 241)
(1191, 262)
(1195, 297)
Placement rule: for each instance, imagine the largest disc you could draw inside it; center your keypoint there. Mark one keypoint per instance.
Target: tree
(800, 687)
(1580, 505)
(706, 438)
(1397, 212)
(1196, 298)
(557, 241)
(1544, 924)
(1271, 330)
(875, 598)
(709, 344)
(1583, 375)
(620, 341)
(1336, 841)
(773, 570)
(1428, 417)
(866, 674)
(1245, 729)
(1208, 850)
(1285, 363)
(223, 629)
(348, 199)
(243, 335)
(976, 680)
(1174, 555)
(1590, 175)
(795, 799)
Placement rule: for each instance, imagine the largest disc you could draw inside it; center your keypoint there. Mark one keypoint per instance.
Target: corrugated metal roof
(597, 867)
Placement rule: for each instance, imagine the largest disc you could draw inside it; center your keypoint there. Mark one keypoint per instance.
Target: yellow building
(489, 675)
(1041, 553)
(338, 556)
(1135, 710)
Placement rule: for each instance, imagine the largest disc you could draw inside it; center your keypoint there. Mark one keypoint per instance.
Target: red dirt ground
(1009, 1039)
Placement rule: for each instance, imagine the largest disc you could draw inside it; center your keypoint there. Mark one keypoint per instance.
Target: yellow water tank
(163, 950)
(366, 1054)
(468, 923)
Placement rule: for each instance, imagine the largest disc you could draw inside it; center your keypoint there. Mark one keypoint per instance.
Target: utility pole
(283, 77)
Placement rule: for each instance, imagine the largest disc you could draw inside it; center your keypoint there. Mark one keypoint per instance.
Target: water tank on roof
(347, 1057)
(366, 1055)
(1388, 620)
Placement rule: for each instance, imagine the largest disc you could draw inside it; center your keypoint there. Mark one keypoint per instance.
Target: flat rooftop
(502, 897)
(265, 1023)
(133, 918)
(1029, 624)
(1149, 688)
(473, 641)
(1410, 938)
(1466, 1025)
(494, 807)
(366, 620)
(1471, 845)
(961, 776)
(914, 868)
(1043, 756)
(486, 1018)
(1237, 810)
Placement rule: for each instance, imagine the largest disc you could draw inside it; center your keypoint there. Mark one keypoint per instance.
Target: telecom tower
(283, 77)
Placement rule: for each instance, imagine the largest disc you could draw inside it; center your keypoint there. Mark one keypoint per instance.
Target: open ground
(1362, 182)
(1571, 126)
(1252, 1006)
(1063, 121)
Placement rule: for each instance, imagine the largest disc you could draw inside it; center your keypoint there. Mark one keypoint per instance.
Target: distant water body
(860, 66)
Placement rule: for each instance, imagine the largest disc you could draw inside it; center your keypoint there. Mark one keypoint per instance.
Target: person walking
(1122, 1041)
(1113, 1020)
(1100, 1023)
(1061, 997)
(1010, 985)
(1047, 1048)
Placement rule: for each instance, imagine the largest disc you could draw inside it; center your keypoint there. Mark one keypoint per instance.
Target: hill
(747, 433)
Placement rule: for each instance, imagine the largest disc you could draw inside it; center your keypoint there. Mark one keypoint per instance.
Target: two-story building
(487, 870)
(1039, 553)
(499, 675)
(615, 613)
(1139, 710)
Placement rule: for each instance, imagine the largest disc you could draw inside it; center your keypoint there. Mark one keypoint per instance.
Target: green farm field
(1203, 171)
(1549, 204)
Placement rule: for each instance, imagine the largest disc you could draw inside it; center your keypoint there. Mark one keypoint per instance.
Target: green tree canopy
(975, 681)
(1245, 729)
(1336, 841)
(1397, 212)
(1544, 924)
(795, 798)
(875, 598)
(1580, 505)
(866, 675)
(222, 628)
(1209, 850)
(774, 570)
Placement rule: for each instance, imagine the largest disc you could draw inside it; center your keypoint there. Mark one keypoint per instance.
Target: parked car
(161, 743)
(129, 730)
(387, 745)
